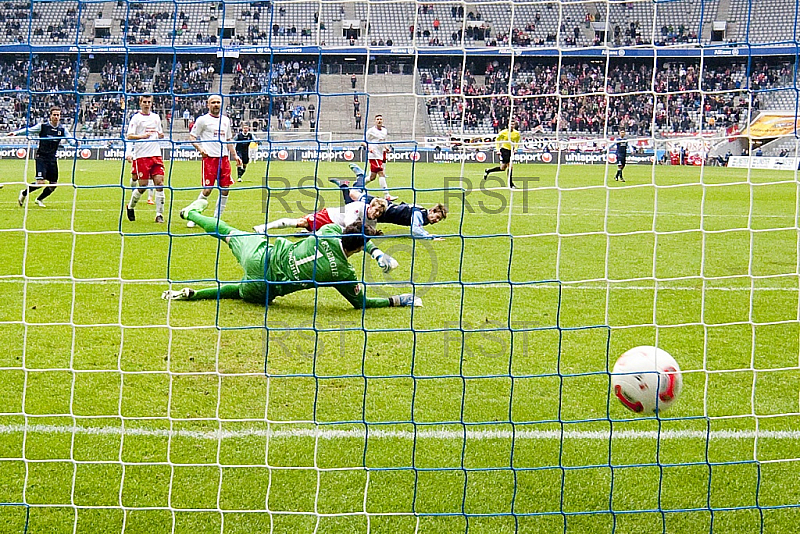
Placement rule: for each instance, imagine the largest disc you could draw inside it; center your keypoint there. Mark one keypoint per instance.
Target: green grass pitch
(180, 428)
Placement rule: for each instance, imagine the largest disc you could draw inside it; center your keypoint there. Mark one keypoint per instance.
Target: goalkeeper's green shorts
(249, 251)
(252, 253)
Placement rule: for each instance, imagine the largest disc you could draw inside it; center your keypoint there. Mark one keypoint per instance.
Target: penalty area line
(357, 433)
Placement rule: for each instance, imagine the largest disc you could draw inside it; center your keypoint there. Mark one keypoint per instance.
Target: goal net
(655, 204)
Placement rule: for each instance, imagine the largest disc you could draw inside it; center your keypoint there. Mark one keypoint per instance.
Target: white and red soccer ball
(646, 380)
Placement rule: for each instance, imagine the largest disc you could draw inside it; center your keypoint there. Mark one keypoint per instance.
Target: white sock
(384, 185)
(149, 191)
(281, 223)
(134, 198)
(223, 199)
(134, 182)
(160, 197)
(201, 196)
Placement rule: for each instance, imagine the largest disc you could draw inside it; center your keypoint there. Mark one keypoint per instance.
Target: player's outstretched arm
(354, 293)
(385, 262)
(418, 231)
(33, 130)
(406, 299)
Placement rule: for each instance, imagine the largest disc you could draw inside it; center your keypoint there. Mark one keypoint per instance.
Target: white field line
(332, 434)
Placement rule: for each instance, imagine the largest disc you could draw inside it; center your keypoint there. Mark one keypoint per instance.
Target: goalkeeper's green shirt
(293, 266)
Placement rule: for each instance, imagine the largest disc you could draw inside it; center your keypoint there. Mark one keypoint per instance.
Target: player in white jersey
(211, 135)
(145, 131)
(376, 154)
(347, 214)
(344, 215)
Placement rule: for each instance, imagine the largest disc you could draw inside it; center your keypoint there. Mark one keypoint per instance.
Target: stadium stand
(389, 23)
(765, 21)
(577, 102)
(254, 77)
(678, 105)
(56, 22)
(574, 103)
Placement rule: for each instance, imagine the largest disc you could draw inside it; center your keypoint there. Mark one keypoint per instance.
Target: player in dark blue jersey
(50, 134)
(243, 140)
(401, 214)
(622, 155)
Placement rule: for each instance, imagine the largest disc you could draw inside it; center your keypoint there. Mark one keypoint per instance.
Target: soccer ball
(646, 380)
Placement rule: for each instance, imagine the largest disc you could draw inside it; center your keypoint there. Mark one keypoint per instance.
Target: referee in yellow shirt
(507, 142)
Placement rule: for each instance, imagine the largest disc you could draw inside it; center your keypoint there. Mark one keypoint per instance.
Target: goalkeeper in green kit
(274, 270)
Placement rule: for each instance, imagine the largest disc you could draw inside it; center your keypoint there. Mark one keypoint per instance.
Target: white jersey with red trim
(350, 213)
(149, 124)
(213, 133)
(376, 142)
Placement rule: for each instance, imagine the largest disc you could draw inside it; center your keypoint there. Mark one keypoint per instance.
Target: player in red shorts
(213, 131)
(368, 213)
(376, 154)
(145, 131)
(314, 221)
(135, 178)
(376, 166)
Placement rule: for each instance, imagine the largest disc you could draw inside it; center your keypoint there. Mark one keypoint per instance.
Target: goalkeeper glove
(406, 299)
(386, 262)
(184, 294)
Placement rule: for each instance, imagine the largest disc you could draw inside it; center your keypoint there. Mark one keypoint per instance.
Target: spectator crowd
(584, 96)
(591, 97)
